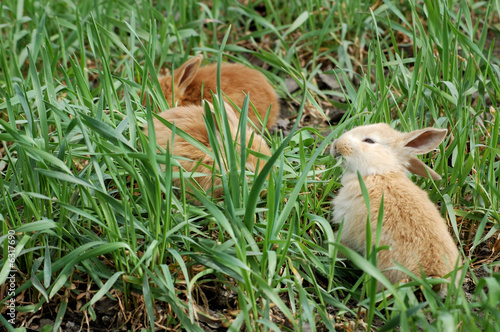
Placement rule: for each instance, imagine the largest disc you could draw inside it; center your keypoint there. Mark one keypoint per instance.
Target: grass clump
(98, 221)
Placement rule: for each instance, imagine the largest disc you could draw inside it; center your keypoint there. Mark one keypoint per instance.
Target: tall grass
(92, 202)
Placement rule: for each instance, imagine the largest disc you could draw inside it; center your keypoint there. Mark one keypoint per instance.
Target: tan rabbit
(190, 120)
(237, 81)
(412, 226)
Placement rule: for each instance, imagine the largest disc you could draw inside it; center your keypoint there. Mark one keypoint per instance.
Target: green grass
(96, 216)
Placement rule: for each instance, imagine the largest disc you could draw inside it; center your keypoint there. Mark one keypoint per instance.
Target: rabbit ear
(418, 167)
(209, 104)
(184, 75)
(423, 140)
(420, 142)
(203, 102)
(231, 116)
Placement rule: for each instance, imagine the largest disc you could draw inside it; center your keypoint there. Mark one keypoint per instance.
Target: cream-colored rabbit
(412, 226)
(237, 81)
(190, 120)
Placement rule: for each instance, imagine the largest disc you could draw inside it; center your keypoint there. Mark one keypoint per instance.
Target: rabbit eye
(368, 140)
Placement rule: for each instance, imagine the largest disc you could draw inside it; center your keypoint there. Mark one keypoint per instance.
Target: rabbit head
(258, 143)
(379, 149)
(175, 90)
(190, 119)
(190, 83)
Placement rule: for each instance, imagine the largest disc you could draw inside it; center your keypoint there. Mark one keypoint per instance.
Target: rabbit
(190, 120)
(237, 81)
(412, 226)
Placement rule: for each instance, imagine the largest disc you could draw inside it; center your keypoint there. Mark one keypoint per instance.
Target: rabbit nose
(341, 147)
(333, 149)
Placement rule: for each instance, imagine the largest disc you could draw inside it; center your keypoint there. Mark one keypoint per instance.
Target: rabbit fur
(412, 226)
(237, 81)
(190, 120)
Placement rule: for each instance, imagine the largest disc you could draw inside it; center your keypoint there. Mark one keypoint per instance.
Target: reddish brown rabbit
(190, 120)
(412, 226)
(237, 81)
